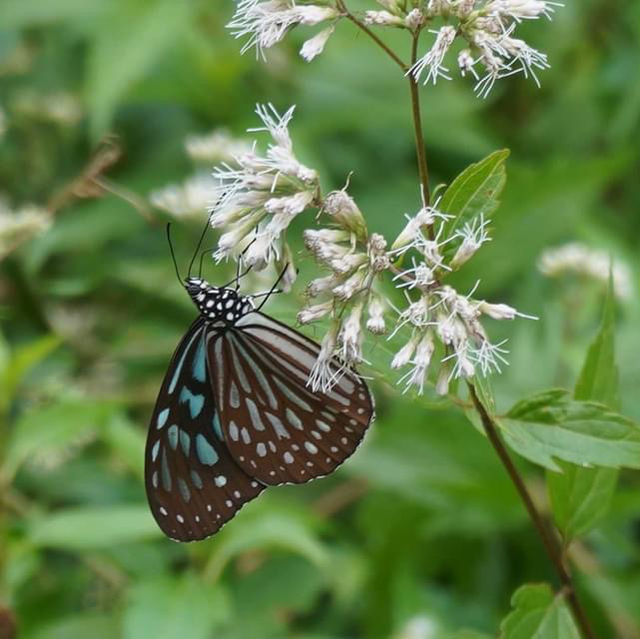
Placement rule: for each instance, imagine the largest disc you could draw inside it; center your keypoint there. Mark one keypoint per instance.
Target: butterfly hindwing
(276, 428)
(193, 484)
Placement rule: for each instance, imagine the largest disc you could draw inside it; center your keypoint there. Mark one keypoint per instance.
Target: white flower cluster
(266, 22)
(214, 147)
(582, 260)
(198, 192)
(261, 194)
(187, 200)
(355, 260)
(488, 28)
(443, 321)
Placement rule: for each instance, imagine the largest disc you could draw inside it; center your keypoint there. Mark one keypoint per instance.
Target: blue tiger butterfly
(235, 415)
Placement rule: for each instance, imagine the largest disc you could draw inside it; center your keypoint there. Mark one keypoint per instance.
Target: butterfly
(235, 414)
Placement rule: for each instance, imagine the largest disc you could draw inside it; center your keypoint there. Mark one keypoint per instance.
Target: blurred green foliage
(421, 534)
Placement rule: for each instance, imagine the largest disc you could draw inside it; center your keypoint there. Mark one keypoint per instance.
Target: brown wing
(277, 429)
(193, 485)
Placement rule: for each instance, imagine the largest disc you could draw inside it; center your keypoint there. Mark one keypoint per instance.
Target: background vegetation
(421, 534)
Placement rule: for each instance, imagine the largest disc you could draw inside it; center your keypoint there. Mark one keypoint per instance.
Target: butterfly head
(218, 304)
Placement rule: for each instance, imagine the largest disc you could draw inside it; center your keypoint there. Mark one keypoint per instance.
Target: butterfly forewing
(193, 484)
(276, 428)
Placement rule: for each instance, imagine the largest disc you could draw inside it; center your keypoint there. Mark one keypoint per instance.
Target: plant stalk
(421, 153)
(363, 27)
(547, 536)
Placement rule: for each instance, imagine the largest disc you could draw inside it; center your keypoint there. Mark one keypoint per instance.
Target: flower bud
(315, 46)
(375, 310)
(342, 208)
(383, 19)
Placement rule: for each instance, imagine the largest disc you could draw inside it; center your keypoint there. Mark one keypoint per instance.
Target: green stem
(549, 540)
(363, 27)
(417, 126)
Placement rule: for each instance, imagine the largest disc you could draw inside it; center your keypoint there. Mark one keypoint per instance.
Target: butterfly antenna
(274, 288)
(202, 235)
(173, 255)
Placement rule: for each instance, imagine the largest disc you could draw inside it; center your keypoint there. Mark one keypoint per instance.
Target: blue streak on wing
(196, 402)
(217, 428)
(176, 373)
(199, 366)
(206, 452)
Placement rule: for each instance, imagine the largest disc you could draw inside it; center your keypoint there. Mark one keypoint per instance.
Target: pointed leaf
(476, 190)
(551, 425)
(580, 497)
(93, 527)
(538, 614)
(599, 378)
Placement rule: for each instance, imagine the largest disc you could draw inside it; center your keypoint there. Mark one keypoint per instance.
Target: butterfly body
(218, 304)
(235, 415)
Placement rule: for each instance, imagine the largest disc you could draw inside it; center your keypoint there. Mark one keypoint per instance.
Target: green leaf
(190, 608)
(599, 378)
(137, 34)
(265, 526)
(580, 497)
(93, 527)
(17, 14)
(127, 442)
(551, 425)
(52, 429)
(80, 626)
(476, 190)
(20, 363)
(538, 614)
